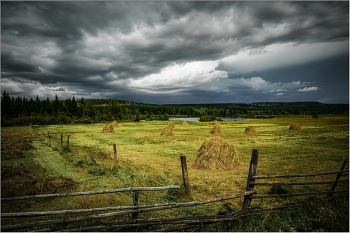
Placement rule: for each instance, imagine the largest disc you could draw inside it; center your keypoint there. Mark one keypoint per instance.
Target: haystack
(295, 127)
(250, 130)
(216, 128)
(115, 124)
(108, 129)
(217, 153)
(184, 123)
(168, 130)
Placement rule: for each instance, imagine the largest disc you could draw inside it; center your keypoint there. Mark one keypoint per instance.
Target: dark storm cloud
(100, 47)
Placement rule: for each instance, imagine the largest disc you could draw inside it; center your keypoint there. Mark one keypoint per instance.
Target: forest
(21, 111)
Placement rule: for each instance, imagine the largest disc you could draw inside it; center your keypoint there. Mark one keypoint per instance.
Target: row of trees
(21, 111)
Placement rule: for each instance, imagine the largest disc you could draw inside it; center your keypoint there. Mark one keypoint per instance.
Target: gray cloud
(101, 47)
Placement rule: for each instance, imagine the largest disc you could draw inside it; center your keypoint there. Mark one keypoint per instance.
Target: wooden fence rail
(91, 192)
(105, 215)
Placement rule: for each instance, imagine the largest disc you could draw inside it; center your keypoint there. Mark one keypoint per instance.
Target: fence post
(67, 141)
(135, 203)
(338, 176)
(115, 153)
(250, 181)
(185, 174)
(61, 139)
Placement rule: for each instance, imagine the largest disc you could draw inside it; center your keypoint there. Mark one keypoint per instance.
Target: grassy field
(147, 159)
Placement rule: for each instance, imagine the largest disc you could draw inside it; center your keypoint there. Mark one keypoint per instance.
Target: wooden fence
(191, 222)
(252, 177)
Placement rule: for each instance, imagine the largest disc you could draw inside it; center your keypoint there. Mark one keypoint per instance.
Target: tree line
(22, 111)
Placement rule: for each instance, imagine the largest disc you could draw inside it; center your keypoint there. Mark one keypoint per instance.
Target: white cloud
(181, 76)
(308, 89)
(259, 84)
(281, 55)
(279, 94)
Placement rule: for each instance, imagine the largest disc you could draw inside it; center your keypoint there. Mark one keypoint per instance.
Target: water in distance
(196, 119)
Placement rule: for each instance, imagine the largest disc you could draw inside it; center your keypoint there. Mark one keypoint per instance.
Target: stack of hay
(115, 124)
(295, 127)
(217, 128)
(108, 129)
(168, 130)
(250, 130)
(184, 123)
(216, 153)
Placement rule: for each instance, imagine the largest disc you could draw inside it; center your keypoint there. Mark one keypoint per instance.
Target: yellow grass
(147, 159)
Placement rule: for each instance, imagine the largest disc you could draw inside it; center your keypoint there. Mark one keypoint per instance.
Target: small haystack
(217, 153)
(295, 127)
(115, 124)
(168, 130)
(108, 129)
(216, 128)
(184, 123)
(250, 130)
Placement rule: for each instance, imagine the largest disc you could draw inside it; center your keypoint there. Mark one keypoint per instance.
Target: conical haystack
(184, 123)
(108, 129)
(115, 124)
(295, 127)
(217, 153)
(216, 128)
(250, 130)
(168, 130)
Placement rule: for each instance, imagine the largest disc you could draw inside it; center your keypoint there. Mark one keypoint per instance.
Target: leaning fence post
(338, 176)
(115, 153)
(250, 181)
(67, 141)
(61, 139)
(185, 174)
(135, 203)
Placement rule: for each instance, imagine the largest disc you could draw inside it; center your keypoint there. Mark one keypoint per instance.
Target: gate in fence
(191, 222)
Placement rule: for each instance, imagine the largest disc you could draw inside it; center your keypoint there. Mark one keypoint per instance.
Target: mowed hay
(216, 128)
(108, 129)
(295, 127)
(168, 130)
(250, 130)
(184, 123)
(217, 153)
(115, 124)
(17, 181)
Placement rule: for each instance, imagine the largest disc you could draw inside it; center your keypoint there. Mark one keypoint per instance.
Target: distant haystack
(216, 128)
(115, 124)
(216, 153)
(168, 130)
(250, 130)
(184, 123)
(108, 129)
(295, 127)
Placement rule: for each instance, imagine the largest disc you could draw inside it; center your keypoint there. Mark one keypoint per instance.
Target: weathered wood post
(61, 139)
(250, 181)
(67, 141)
(135, 203)
(338, 176)
(115, 153)
(185, 174)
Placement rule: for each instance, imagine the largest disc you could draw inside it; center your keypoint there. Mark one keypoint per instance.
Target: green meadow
(146, 159)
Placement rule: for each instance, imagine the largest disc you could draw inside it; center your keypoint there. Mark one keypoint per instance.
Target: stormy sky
(177, 52)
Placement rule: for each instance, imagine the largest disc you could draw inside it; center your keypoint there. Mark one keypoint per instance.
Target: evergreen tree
(6, 108)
